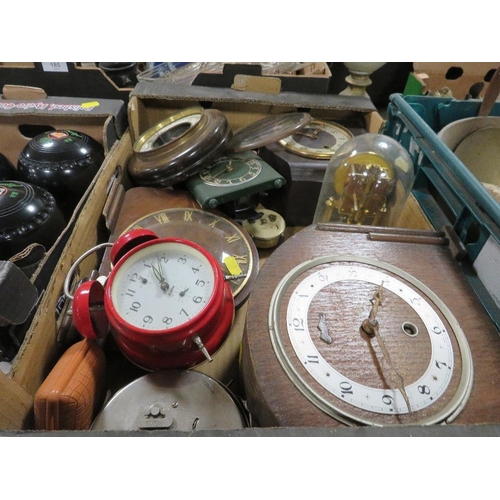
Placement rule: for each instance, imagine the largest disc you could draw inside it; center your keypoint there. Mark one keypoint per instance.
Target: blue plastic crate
(446, 190)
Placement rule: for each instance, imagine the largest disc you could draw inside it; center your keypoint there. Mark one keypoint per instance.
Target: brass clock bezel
(291, 144)
(185, 116)
(184, 155)
(447, 414)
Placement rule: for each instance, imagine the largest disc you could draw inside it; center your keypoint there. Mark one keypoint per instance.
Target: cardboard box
(105, 121)
(94, 224)
(27, 112)
(312, 78)
(41, 349)
(72, 79)
(150, 102)
(459, 77)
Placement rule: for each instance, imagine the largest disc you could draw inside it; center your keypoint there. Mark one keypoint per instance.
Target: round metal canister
(177, 400)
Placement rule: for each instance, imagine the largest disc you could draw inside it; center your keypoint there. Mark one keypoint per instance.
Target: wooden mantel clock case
(358, 325)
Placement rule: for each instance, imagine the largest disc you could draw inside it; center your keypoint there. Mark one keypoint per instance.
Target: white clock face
(422, 392)
(419, 370)
(162, 286)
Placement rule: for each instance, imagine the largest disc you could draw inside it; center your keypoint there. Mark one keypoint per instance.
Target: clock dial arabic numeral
(135, 306)
(424, 389)
(415, 301)
(298, 324)
(387, 400)
(345, 387)
(440, 364)
(352, 273)
(147, 319)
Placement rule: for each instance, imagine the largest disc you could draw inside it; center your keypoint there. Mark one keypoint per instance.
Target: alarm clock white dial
(162, 286)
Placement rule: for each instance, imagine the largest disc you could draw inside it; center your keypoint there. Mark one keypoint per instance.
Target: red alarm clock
(166, 300)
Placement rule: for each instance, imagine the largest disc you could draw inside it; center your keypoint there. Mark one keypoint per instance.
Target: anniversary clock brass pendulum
(367, 182)
(359, 325)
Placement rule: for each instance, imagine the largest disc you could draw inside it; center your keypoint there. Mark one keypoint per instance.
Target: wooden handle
(491, 94)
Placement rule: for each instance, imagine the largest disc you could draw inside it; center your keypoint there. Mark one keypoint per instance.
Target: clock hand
(313, 134)
(160, 277)
(227, 168)
(323, 328)
(371, 327)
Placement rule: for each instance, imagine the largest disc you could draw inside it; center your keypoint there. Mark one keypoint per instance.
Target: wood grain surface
(274, 401)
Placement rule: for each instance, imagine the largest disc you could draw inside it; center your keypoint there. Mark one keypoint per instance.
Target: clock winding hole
(409, 329)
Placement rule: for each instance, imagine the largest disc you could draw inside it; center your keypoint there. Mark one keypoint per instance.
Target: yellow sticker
(232, 265)
(92, 104)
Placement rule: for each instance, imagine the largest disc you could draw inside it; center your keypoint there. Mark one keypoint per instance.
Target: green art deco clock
(231, 177)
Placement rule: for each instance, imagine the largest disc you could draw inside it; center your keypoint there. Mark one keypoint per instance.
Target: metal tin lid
(180, 400)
